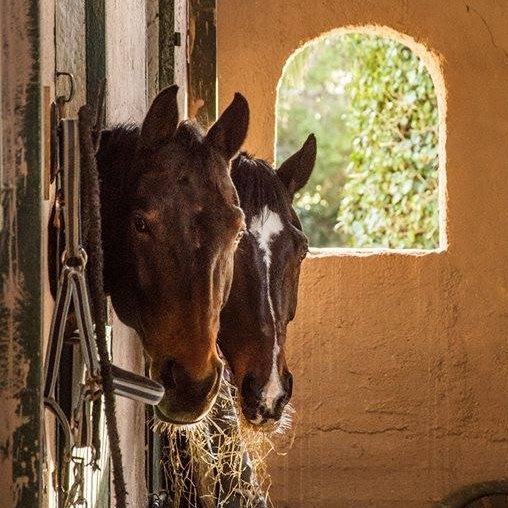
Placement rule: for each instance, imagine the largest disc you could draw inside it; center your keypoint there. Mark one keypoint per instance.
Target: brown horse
(171, 225)
(265, 284)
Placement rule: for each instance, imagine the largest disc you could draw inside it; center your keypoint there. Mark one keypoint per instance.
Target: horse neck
(116, 152)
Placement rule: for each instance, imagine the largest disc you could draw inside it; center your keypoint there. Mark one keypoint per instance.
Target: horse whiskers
(286, 420)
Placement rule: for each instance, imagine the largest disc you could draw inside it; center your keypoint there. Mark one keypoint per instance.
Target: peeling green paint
(166, 42)
(95, 48)
(20, 257)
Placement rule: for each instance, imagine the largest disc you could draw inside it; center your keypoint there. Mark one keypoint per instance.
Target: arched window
(372, 104)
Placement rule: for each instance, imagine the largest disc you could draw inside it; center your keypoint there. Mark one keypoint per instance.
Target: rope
(92, 236)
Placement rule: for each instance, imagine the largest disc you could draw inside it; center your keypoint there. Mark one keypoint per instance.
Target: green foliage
(372, 105)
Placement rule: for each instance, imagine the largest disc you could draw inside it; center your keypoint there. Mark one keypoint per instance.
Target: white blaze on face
(265, 227)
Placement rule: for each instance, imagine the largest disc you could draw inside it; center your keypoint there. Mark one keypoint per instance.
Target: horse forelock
(119, 148)
(258, 186)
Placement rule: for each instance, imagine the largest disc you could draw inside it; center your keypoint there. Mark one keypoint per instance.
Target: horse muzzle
(264, 405)
(185, 400)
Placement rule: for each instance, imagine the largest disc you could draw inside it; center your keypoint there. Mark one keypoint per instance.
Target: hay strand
(222, 460)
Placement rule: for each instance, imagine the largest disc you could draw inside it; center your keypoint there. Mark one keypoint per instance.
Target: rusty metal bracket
(63, 100)
(72, 87)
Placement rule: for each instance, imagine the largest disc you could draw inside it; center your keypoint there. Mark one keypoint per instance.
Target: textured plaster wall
(400, 359)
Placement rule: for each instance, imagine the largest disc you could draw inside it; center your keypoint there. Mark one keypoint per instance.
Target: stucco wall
(400, 359)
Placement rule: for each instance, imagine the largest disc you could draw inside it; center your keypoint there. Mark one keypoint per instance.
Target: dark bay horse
(171, 225)
(264, 292)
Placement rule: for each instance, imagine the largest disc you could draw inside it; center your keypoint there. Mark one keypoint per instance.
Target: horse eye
(140, 225)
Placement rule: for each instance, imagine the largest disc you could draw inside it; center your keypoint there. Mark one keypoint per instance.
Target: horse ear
(295, 171)
(161, 121)
(228, 133)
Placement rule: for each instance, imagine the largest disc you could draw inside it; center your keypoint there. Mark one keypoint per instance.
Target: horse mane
(258, 185)
(119, 142)
(190, 135)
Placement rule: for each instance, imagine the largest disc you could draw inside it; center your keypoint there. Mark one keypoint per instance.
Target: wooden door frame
(202, 60)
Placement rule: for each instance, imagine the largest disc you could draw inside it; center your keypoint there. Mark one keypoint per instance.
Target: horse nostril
(278, 407)
(251, 390)
(168, 374)
(288, 384)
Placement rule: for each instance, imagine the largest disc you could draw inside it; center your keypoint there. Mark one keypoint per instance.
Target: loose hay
(221, 461)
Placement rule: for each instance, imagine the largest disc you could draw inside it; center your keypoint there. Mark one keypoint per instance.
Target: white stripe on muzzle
(265, 227)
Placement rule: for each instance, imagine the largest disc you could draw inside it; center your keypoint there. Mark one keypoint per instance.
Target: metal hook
(70, 77)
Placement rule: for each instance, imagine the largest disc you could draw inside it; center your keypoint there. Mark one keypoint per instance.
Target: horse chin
(170, 412)
(259, 424)
(177, 420)
(266, 427)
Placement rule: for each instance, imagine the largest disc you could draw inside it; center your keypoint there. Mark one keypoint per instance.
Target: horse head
(171, 225)
(264, 293)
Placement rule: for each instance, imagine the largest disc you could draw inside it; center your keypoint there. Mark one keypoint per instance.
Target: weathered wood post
(20, 255)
